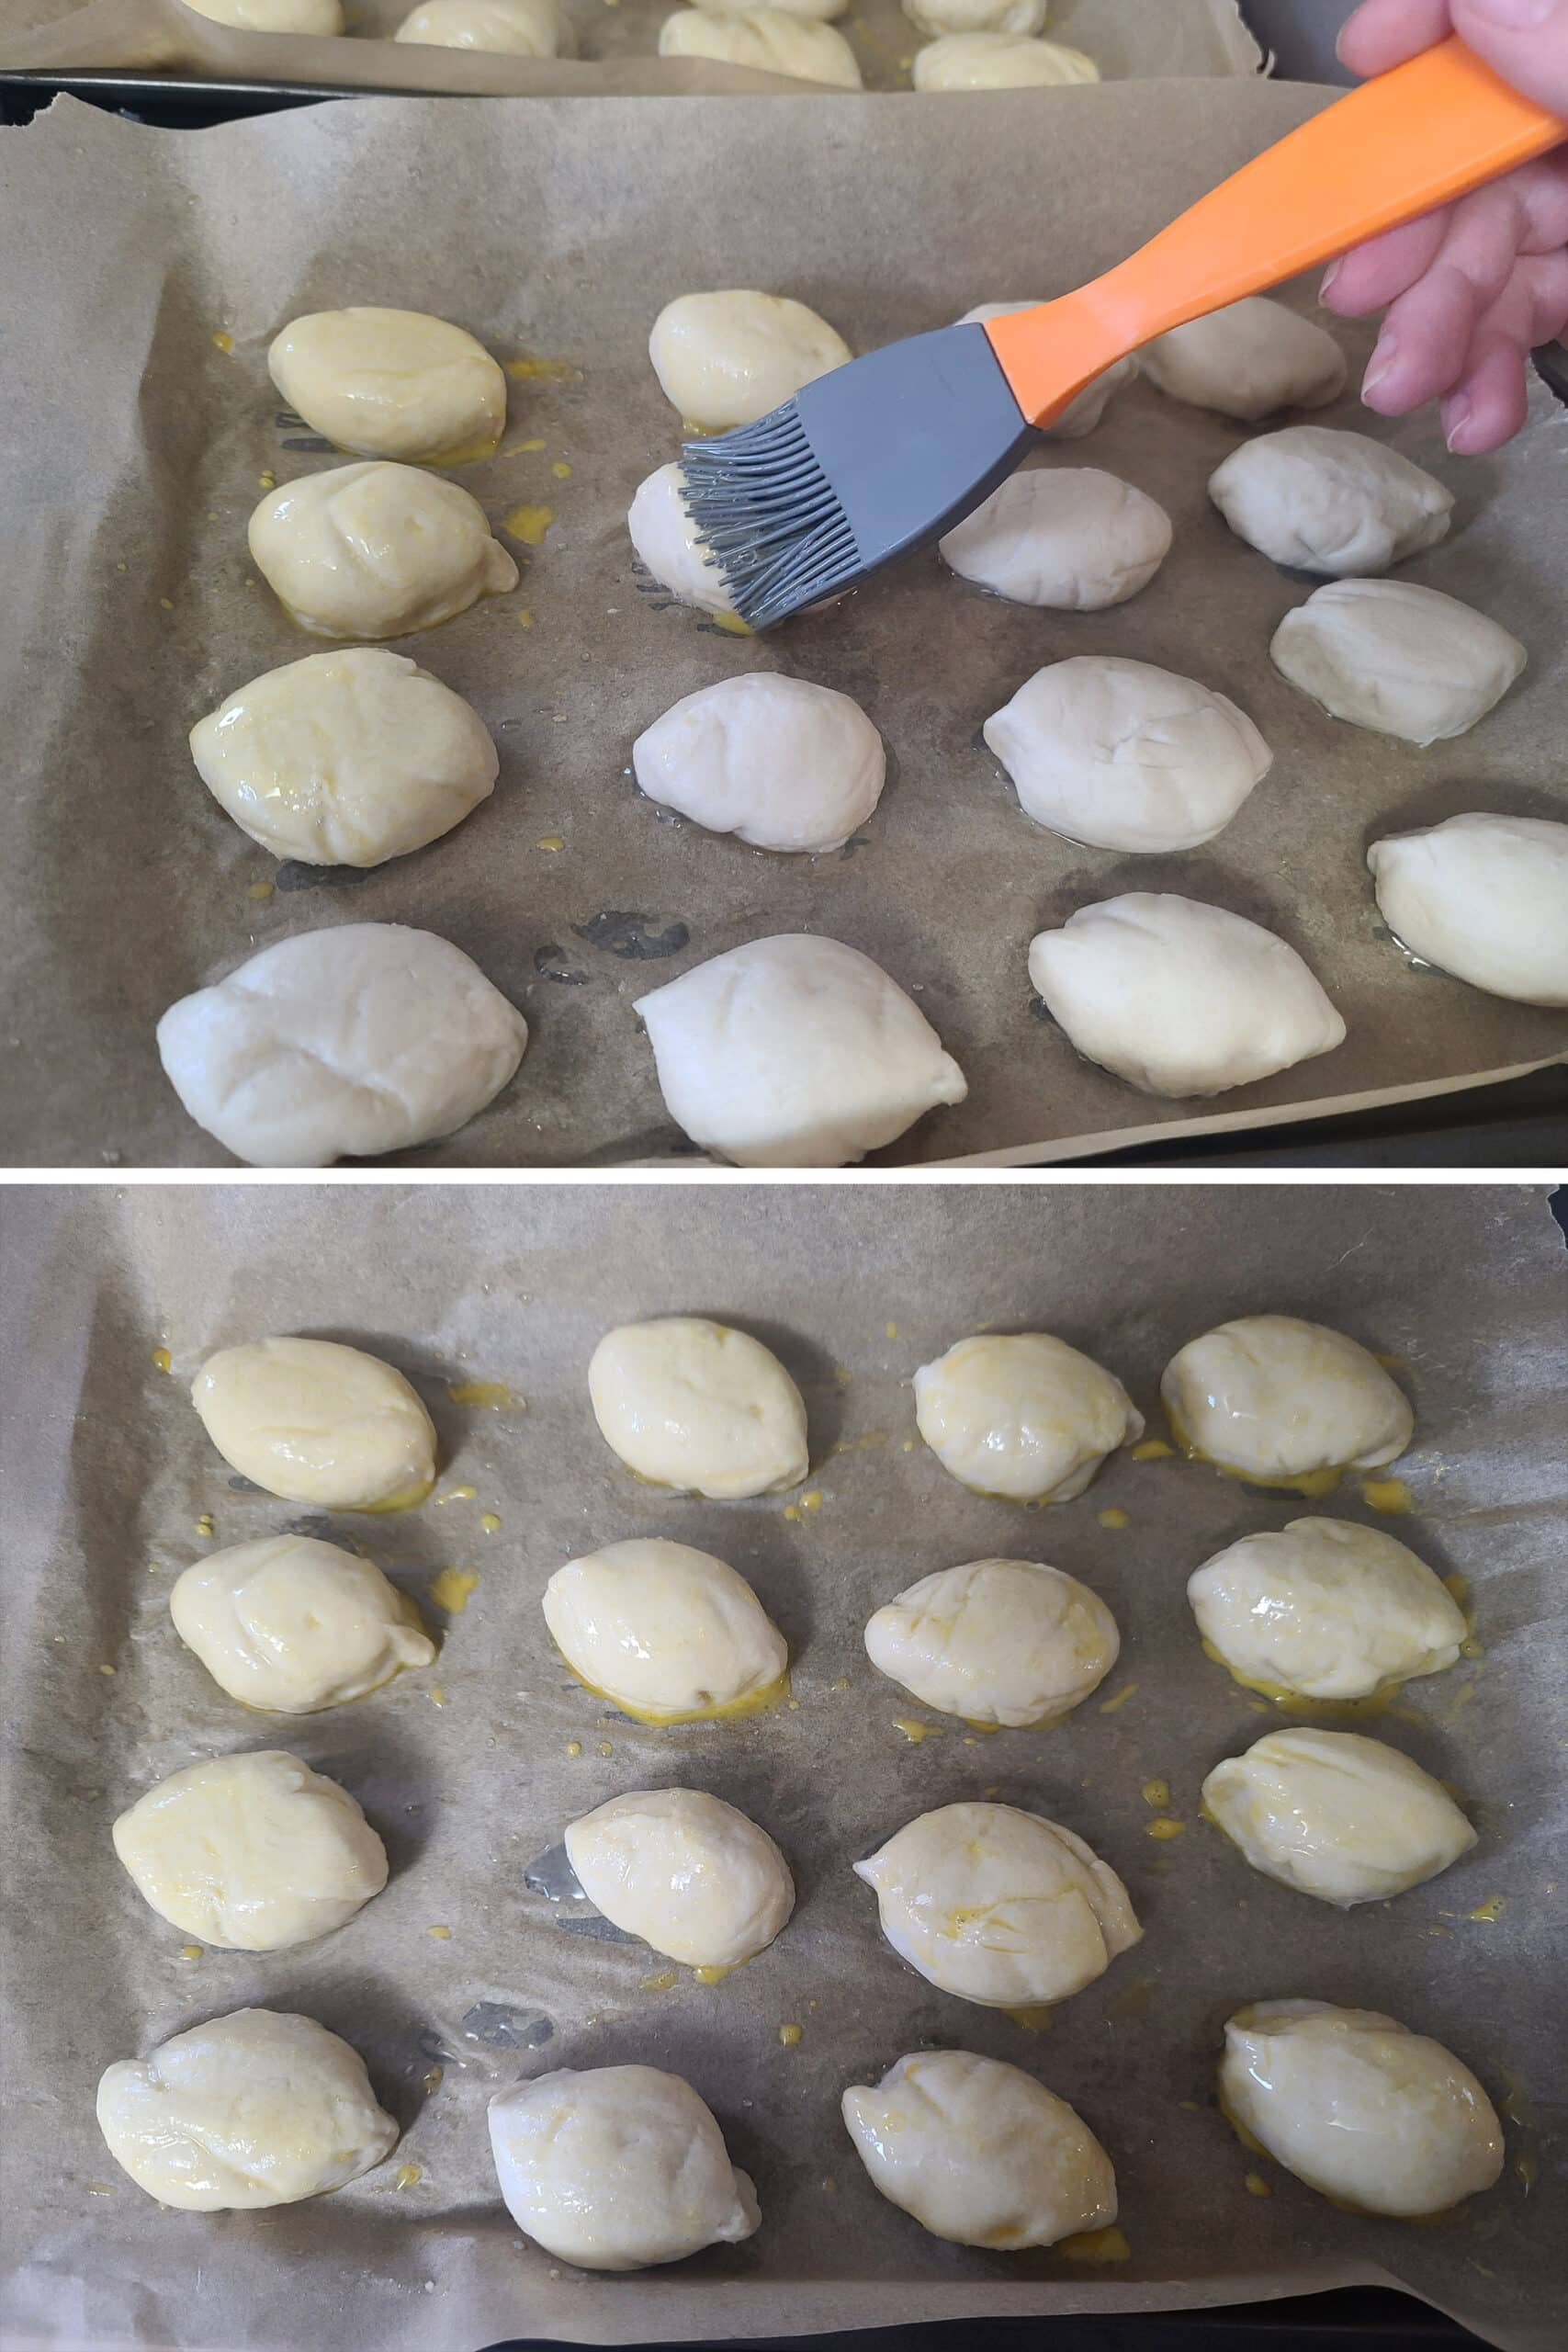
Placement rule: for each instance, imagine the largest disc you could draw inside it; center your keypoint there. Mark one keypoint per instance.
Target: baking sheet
(137, 442)
(110, 1474)
(616, 43)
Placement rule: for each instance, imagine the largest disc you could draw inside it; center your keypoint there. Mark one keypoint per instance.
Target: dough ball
(999, 62)
(979, 2152)
(1324, 1609)
(670, 1635)
(508, 27)
(1180, 997)
(700, 1407)
(1246, 361)
(998, 1906)
(318, 1423)
(1329, 501)
(1360, 2109)
(346, 759)
(1000, 1642)
(272, 16)
(777, 762)
(1123, 755)
(252, 1853)
(1276, 1400)
(1333, 1814)
(1067, 537)
(1082, 414)
(726, 359)
(664, 539)
(341, 1044)
(256, 2108)
(1016, 17)
(1022, 1415)
(1484, 898)
(617, 2169)
(794, 1052)
(290, 1625)
(395, 383)
(375, 550)
(686, 1873)
(769, 41)
(1402, 660)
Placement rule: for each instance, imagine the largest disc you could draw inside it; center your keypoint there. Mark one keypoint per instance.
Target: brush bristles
(770, 518)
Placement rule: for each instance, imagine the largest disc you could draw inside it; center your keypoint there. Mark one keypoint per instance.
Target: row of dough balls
(511, 27)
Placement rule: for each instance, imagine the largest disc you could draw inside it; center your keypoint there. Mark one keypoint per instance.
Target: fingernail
(1381, 365)
(1456, 416)
(1329, 275)
(1513, 15)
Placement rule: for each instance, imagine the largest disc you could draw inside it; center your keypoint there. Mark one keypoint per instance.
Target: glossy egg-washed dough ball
(1022, 1415)
(1346, 1819)
(998, 1906)
(664, 539)
(390, 384)
(669, 1633)
(1070, 538)
(699, 1407)
(1359, 2108)
(726, 359)
(1083, 413)
(317, 17)
(769, 41)
(1276, 1399)
(346, 759)
(1484, 898)
(980, 2153)
(252, 1853)
(318, 1423)
(505, 27)
(993, 61)
(1324, 1609)
(289, 1626)
(1329, 501)
(685, 1871)
(999, 1642)
(260, 2107)
(777, 762)
(375, 550)
(617, 2169)
(1396, 658)
(1246, 361)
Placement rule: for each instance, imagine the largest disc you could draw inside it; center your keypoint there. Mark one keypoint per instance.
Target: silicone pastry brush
(893, 449)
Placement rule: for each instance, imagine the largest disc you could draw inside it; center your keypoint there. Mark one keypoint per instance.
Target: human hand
(1468, 291)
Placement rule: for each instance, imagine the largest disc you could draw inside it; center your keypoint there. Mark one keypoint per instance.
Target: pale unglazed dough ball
(341, 1044)
(617, 2169)
(1124, 755)
(1359, 2108)
(777, 762)
(1401, 660)
(795, 1052)
(1008, 1643)
(999, 61)
(1081, 414)
(770, 40)
(317, 1422)
(259, 2108)
(375, 550)
(346, 759)
(1326, 501)
(1022, 1415)
(290, 1625)
(506, 27)
(726, 359)
(977, 15)
(662, 535)
(1246, 361)
(1323, 1609)
(1070, 538)
(1346, 1819)
(1274, 1399)
(317, 17)
(252, 1853)
(1180, 997)
(1484, 898)
(998, 1906)
(669, 1633)
(699, 1407)
(686, 1873)
(393, 383)
(979, 2152)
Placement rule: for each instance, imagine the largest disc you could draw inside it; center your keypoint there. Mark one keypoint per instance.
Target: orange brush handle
(1399, 145)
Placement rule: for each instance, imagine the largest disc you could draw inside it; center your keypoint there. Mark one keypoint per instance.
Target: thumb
(1524, 40)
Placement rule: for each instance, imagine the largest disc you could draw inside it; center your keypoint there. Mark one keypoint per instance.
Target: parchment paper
(137, 442)
(465, 1768)
(616, 43)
